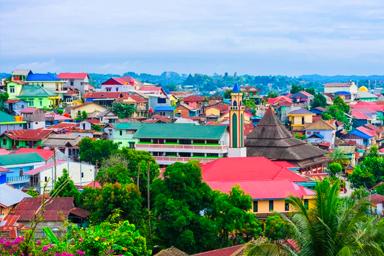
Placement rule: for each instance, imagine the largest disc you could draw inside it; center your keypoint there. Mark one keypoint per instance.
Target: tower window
(234, 103)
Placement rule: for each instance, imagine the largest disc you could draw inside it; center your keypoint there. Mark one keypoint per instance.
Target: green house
(38, 97)
(23, 138)
(14, 89)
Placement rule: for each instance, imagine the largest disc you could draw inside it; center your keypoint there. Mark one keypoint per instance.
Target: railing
(183, 159)
(17, 179)
(179, 146)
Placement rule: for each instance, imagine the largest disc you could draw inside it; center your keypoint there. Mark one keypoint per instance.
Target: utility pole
(149, 201)
(54, 164)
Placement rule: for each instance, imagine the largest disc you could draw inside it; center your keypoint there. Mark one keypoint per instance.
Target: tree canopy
(123, 110)
(95, 151)
(65, 187)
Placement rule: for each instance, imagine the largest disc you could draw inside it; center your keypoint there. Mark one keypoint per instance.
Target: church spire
(236, 123)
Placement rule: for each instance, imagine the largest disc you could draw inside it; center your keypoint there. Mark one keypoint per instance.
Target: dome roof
(363, 89)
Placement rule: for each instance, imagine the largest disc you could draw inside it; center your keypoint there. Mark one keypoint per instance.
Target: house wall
(6, 142)
(123, 137)
(117, 88)
(10, 127)
(16, 88)
(329, 135)
(38, 102)
(278, 206)
(81, 173)
(212, 112)
(182, 112)
(89, 108)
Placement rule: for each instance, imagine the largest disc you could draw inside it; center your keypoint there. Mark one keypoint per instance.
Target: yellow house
(88, 107)
(299, 118)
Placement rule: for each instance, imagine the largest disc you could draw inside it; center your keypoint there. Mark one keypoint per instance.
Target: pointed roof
(320, 125)
(271, 139)
(32, 90)
(236, 88)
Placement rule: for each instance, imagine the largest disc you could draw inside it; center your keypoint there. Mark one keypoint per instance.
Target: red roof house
(72, 76)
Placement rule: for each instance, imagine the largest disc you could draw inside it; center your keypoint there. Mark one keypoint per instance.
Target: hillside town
(196, 174)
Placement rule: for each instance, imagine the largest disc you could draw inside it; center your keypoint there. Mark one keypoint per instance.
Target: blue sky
(247, 36)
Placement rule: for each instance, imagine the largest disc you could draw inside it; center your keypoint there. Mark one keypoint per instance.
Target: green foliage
(95, 151)
(123, 110)
(32, 192)
(3, 98)
(276, 227)
(64, 187)
(338, 111)
(227, 94)
(334, 226)
(112, 239)
(96, 127)
(186, 208)
(335, 168)
(60, 111)
(380, 189)
(296, 88)
(319, 101)
(105, 201)
(369, 171)
(272, 94)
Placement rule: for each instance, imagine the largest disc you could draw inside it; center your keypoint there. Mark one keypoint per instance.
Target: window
(121, 132)
(45, 179)
(4, 141)
(255, 206)
(286, 205)
(302, 120)
(131, 144)
(71, 82)
(12, 89)
(161, 100)
(108, 89)
(82, 175)
(271, 205)
(306, 203)
(21, 173)
(41, 102)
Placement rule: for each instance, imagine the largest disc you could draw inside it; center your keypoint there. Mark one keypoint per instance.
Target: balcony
(167, 160)
(203, 148)
(18, 179)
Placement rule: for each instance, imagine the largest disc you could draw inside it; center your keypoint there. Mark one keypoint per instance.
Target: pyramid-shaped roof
(271, 139)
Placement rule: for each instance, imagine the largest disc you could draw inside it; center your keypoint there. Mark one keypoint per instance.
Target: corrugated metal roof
(30, 90)
(10, 196)
(12, 159)
(36, 77)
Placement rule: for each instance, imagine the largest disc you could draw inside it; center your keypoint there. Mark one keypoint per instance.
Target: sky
(287, 37)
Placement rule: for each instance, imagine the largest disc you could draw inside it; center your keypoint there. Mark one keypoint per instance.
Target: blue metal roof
(360, 134)
(342, 93)
(163, 108)
(41, 77)
(236, 88)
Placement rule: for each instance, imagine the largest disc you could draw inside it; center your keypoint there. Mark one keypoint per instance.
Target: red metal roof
(114, 95)
(28, 135)
(28, 110)
(65, 76)
(227, 251)
(120, 81)
(280, 100)
(247, 169)
(93, 184)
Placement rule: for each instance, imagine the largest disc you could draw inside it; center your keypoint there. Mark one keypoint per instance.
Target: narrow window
(286, 205)
(306, 203)
(255, 206)
(271, 205)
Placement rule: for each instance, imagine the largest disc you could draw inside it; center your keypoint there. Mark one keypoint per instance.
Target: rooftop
(65, 76)
(24, 158)
(28, 135)
(30, 90)
(10, 196)
(47, 77)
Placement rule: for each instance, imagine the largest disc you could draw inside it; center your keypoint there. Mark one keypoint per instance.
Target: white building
(81, 174)
(79, 81)
(321, 132)
(349, 87)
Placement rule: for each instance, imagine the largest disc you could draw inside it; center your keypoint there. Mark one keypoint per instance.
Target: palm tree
(337, 156)
(335, 227)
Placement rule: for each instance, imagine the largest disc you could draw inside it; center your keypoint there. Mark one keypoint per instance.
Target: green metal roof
(13, 159)
(30, 90)
(6, 118)
(127, 126)
(179, 131)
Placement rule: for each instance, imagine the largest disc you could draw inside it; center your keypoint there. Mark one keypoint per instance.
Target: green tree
(67, 190)
(227, 94)
(3, 98)
(123, 110)
(95, 151)
(186, 208)
(335, 226)
(32, 192)
(296, 88)
(272, 94)
(338, 156)
(379, 189)
(104, 202)
(276, 227)
(335, 168)
(338, 111)
(319, 101)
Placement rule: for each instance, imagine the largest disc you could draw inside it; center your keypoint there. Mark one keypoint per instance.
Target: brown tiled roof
(271, 139)
(376, 199)
(194, 98)
(57, 210)
(28, 135)
(171, 251)
(320, 125)
(82, 213)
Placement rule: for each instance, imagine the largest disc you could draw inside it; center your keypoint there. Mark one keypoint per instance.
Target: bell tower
(236, 124)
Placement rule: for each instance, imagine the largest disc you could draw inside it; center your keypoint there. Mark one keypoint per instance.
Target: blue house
(15, 167)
